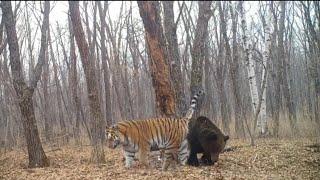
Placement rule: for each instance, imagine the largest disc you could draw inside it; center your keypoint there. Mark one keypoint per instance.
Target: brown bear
(205, 137)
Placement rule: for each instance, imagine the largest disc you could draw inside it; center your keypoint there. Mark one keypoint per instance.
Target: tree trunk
(74, 85)
(170, 28)
(58, 94)
(6, 103)
(220, 73)
(197, 53)
(277, 78)
(250, 67)
(234, 68)
(106, 71)
(45, 81)
(165, 95)
(283, 71)
(37, 157)
(225, 117)
(262, 122)
(97, 124)
(140, 105)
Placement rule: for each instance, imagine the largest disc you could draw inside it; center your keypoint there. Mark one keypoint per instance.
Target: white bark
(262, 121)
(250, 64)
(250, 67)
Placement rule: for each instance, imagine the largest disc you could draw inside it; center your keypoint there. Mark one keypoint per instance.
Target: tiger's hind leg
(143, 157)
(166, 161)
(184, 153)
(169, 157)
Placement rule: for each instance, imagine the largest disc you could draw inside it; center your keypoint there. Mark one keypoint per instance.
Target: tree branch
(43, 46)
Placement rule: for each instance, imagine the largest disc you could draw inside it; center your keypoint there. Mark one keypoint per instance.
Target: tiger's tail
(193, 104)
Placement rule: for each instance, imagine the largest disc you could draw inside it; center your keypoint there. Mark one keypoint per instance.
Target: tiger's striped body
(139, 136)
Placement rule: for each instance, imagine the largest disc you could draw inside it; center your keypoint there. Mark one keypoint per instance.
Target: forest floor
(269, 159)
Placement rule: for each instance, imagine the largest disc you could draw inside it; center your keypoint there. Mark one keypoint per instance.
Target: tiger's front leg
(129, 158)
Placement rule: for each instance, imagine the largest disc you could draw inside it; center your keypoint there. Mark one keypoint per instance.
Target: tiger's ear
(114, 127)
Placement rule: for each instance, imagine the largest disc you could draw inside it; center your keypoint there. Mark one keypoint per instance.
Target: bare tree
(97, 124)
(45, 81)
(37, 157)
(197, 53)
(276, 76)
(58, 92)
(170, 28)
(165, 96)
(104, 59)
(234, 66)
(79, 114)
(313, 39)
(247, 43)
(283, 70)
(262, 122)
(220, 73)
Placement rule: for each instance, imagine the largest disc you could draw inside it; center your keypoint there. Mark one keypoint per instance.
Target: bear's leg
(193, 159)
(206, 159)
(214, 157)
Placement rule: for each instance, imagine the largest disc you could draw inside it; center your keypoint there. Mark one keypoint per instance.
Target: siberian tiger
(140, 136)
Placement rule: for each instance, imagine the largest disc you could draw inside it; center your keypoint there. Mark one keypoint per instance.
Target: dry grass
(270, 159)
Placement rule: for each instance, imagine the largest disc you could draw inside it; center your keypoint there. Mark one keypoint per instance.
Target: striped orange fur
(139, 136)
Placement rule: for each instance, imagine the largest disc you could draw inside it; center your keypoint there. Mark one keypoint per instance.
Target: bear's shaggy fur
(205, 137)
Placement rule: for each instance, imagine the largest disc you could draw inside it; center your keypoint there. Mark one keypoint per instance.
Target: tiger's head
(113, 136)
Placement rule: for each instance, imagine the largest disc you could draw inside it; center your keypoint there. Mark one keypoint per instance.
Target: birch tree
(262, 120)
(249, 65)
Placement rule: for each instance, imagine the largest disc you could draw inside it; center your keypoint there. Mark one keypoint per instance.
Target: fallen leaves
(270, 159)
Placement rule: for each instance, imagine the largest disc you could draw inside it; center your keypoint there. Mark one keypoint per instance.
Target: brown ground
(270, 159)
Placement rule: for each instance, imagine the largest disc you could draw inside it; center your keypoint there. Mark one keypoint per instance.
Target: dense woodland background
(62, 82)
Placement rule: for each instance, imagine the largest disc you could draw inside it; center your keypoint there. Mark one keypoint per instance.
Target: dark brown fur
(205, 137)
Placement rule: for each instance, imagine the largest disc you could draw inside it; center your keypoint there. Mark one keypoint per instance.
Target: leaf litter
(269, 159)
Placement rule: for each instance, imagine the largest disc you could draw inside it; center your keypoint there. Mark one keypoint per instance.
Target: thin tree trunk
(6, 104)
(250, 68)
(134, 51)
(197, 53)
(262, 122)
(104, 57)
(74, 85)
(277, 78)
(45, 81)
(170, 28)
(234, 68)
(285, 90)
(219, 77)
(58, 93)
